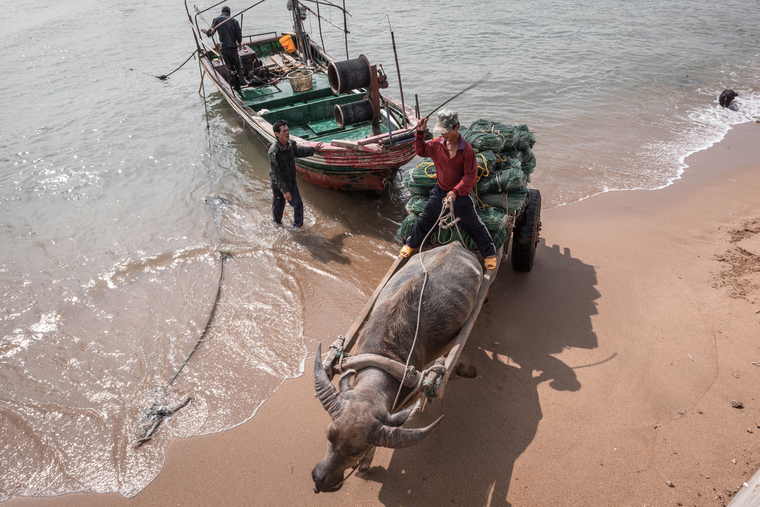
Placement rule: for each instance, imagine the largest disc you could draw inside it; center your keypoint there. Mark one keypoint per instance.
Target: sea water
(111, 252)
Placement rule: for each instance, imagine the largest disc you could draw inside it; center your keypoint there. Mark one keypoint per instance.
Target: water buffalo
(361, 414)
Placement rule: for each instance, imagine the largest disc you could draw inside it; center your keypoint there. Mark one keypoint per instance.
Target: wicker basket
(300, 80)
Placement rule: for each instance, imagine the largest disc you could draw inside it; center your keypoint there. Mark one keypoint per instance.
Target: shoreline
(604, 376)
(680, 172)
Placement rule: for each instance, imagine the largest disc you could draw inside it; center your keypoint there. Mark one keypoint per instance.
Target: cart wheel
(525, 234)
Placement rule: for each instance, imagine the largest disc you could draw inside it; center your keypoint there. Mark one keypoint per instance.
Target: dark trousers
(469, 221)
(278, 205)
(232, 62)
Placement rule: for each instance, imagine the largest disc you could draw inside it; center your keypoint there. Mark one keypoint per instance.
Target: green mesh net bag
(421, 178)
(487, 162)
(512, 202)
(416, 204)
(406, 226)
(502, 181)
(525, 138)
(528, 164)
(495, 219)
(484, 140)
(424, 171)
(505, 164)
(506, 132)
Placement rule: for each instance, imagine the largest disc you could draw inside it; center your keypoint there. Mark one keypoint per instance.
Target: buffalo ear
(400, 418)
(398, 438)
(330, 398)
(345, 381)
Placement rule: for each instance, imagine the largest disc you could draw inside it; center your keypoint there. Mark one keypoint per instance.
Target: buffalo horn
(325, 390)
(398, 438)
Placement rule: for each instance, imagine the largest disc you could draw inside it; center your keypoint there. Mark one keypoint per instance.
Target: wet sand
(605, 376)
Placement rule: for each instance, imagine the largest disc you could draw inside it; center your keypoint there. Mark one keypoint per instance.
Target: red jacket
(459, 173)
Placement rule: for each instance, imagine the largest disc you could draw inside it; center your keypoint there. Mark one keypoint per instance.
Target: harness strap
(410, 377)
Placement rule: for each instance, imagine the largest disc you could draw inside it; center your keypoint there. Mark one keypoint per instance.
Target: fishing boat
(367, 135)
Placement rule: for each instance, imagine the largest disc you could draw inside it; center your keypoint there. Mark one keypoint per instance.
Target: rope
(425, 168)
(355, 467)
(202, 88)
(439, 369)
(223, 256)
(484, 174)
(446, 214)
(166, 76)
(393, 194)
(156, 413)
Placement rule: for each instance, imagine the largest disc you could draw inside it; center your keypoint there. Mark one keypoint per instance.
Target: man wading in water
(282, 173)
(457, 171)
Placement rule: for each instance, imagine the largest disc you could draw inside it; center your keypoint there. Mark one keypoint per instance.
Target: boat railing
(250, 38)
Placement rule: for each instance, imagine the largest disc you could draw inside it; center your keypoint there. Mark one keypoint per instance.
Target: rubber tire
(525, 233)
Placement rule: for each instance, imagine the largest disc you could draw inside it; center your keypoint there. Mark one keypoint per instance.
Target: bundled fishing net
(526, 136)
(487, 162)
(407, 225)
(502, 181)
(416, 204)
(516, 141)
(494, 218)
(512, 202)
(421, 179)
(508, 163)
(499, 234)
(528, 163)
(485, 140)
(505, 162)
(503, 131)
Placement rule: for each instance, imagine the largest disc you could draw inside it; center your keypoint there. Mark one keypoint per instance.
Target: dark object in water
(215, 201)
(726, 97)
(152, 419)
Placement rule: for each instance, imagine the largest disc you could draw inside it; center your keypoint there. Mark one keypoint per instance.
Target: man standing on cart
(457, 171)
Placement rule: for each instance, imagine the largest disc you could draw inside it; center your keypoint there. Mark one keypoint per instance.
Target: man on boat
(457, 171)
(282, 173)
(232, 40)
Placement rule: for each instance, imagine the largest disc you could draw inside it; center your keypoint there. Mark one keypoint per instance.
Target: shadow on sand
(323, 249)
(492, 418)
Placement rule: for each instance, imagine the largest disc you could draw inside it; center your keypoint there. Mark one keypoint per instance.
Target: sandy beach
(604, 377)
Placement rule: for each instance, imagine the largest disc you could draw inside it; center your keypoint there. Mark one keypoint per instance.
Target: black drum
(354, 112)
(349, 74)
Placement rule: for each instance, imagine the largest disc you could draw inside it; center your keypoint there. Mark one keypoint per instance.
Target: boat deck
(310, 114)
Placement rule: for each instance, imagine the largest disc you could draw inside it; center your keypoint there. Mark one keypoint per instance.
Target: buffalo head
(360, 421)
